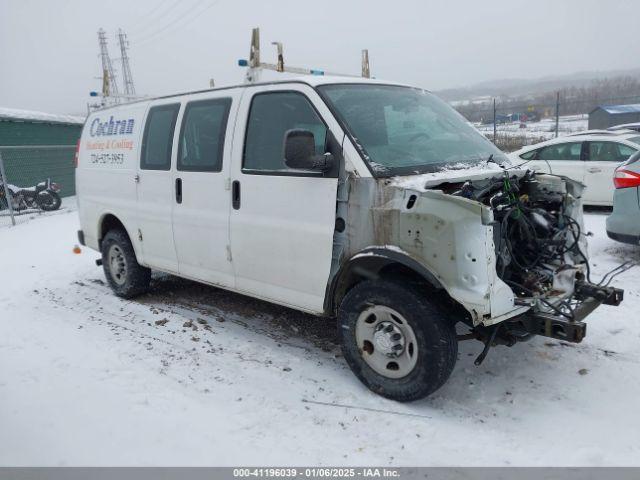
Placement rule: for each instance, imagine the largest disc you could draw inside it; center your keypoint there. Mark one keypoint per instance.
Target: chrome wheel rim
(386, 341)
(117, 265)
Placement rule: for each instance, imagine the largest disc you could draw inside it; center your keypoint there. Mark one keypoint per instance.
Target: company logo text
(111, 127)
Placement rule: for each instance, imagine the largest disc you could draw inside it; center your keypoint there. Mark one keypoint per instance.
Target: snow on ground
(193, 375)
(24, 216)
(541, 130)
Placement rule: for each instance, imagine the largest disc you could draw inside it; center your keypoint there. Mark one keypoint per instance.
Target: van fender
(109, 220)
(368, 264)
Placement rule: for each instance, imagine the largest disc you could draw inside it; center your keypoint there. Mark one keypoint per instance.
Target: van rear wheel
(126, 277)
(397, 343)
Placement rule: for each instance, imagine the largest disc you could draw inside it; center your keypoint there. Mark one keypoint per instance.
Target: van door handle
(178, 190)
(235, 194)
(594, 170)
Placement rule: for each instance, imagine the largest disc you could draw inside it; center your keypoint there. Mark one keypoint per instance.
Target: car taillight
(75, 158)
(626, 178)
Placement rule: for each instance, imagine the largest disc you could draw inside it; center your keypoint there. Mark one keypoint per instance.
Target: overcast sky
(49, 49)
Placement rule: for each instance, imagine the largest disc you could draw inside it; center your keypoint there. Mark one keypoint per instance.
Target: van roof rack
(256, 66)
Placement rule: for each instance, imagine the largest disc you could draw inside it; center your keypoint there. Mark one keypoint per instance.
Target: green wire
(510, 195)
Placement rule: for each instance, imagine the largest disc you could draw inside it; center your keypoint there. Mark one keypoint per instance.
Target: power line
(190, 10)
(147, 19)
(155, 16)
(176, 23)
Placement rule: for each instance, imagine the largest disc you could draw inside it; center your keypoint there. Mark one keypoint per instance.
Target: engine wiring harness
(539, 254)
(535, 238)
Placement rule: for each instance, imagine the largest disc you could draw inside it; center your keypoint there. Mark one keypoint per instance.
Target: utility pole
(109, 85)
(127, 78)
(557, 112)
(494, 121)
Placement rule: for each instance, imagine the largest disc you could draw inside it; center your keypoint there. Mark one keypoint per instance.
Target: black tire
(49, 201)
(435, 335)
(134, 279)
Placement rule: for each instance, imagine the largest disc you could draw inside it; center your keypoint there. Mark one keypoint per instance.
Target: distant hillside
(519, 87)
(579, 94)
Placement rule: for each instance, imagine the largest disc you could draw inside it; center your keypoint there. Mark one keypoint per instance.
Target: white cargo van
(373, 202)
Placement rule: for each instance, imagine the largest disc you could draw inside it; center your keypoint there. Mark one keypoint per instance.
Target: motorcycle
(43, 196)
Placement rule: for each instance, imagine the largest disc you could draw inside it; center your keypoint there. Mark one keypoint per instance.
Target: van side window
(202, 135)
(270, 116)
(158, 137)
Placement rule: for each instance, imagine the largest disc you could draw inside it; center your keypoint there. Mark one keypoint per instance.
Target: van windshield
(404, 131)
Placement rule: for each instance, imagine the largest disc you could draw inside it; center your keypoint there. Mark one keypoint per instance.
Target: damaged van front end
(508, 246)
(440, 231)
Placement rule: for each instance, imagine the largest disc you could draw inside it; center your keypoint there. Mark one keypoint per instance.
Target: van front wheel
(125, 275)
(396, 342)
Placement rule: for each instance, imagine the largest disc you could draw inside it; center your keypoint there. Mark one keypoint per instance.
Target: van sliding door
(201, 200)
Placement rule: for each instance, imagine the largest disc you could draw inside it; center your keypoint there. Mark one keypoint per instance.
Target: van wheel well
(377, 268)
(110, 222)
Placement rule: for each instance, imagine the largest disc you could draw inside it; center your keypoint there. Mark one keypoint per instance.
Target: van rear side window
(202, 135)
(158, 137)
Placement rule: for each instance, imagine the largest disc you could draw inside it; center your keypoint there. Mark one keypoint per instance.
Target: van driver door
(282, 220)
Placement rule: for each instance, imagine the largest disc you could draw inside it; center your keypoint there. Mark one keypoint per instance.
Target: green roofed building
(36, 146)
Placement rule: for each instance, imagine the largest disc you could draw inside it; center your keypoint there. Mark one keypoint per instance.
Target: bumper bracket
(562, 328)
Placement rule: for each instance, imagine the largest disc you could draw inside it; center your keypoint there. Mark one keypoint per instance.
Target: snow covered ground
(541, 130)
(192, 375)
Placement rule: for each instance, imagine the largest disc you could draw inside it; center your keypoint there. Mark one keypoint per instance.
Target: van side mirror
(300, 152)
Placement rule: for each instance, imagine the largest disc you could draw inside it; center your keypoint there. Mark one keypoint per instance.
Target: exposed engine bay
(540, 253)
(504, 249)
(539, 249)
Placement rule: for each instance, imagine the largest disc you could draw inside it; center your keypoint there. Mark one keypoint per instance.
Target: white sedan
(588, 157)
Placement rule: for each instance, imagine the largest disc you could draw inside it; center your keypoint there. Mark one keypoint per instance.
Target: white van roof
(311, 80)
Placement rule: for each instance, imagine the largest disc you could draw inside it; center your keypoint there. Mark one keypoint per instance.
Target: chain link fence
(34, 179)
(514, 123)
